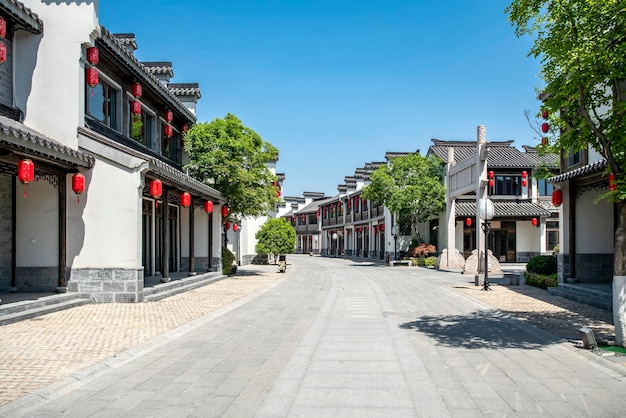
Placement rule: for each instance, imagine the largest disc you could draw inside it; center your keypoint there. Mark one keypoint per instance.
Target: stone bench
(400, 263)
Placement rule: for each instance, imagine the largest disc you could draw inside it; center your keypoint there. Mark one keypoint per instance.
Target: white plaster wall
(37, 232)
(103, 227)
(458, 236)
(184, 231)
(201, 237)
(528, 237)
(594, 224)
(54, 105)
(564, 216)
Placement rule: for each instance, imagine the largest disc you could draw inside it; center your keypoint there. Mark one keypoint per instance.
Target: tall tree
(581, 45)
(410, 185)
(275, 237)
(233, 159)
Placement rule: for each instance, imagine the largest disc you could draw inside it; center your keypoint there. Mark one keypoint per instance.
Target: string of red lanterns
(524, 181)
(491, 178)
(93, 58)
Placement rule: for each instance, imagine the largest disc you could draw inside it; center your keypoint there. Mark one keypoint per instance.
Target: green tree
(233, 159)
(275, 237)
(581, 45)
(410, 185)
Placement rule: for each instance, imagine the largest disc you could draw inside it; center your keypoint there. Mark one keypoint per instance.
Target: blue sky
(336, 84)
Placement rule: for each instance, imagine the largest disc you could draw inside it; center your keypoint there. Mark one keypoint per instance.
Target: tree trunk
(619, 276)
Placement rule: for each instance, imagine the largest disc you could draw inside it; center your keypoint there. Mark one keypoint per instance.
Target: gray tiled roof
(22, 15)
(342, 188)
(374, 165)
(551, 160)
(126, 39)
(185, 182)
(504, 208)
(312, 207)
(185, 89)
(389, 155)
(314, 195)
(281, 176)
(27, 140)
(162, 67)
(592, 168)
(294, 199)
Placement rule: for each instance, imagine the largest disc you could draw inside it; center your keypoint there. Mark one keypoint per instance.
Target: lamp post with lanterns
(486, 212)
(394, 232)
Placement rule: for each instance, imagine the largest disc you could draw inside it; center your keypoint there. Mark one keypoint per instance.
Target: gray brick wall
(6, 76)
(107, 285)
(36, 279)
(5, 233)
(594, 268)
(563, 267)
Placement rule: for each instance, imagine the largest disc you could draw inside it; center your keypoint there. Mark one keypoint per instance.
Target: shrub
(542, 264)
(422, 250)
(227, 261)
(430, 261)
(539, 280)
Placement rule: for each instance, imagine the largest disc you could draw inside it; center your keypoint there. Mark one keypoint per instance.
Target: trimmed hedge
(227, 261)
(539, 280)
(542, 264)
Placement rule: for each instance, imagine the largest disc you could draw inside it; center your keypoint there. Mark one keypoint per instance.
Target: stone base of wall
(36, 279)
(524, 257)
(201, 264)
(594, 268)
(107, 285)
(217, 264)
(563, 267)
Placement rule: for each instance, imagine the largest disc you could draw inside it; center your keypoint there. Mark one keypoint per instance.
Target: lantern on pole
(26, 172)
(78, 185)
(185, 199)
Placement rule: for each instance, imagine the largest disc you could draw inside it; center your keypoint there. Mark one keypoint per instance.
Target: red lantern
(78, 184)
(3, 53)
(26, 172)
(544, 114)
(524, 174)
(3, 27)
(185, 199)
(227, 225)
(491, 174)
(208, 207)
(468, 222)
(169, 116)
(544, 141)
(612, 184)
(156, 188)
(136, 107)
(545, 127)
(235, 227)
(524, 183)
(557, 197)
(534, 221)
(167, 130)
(302, 218)
(93, 57)
(185, 128)
(137, 91)
(224, 211)
(92, 77)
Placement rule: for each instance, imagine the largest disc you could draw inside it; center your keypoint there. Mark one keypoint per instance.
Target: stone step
(599, 301)
(587, 290)
(165, 290)
(20, 311)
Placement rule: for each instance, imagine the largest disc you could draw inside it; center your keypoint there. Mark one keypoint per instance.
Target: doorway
(502, 242)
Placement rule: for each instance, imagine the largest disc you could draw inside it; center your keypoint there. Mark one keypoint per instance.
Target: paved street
(331, 337)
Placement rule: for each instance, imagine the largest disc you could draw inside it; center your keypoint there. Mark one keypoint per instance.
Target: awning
(22, 139)
(22, 15)
(183, 181)
(582, 171)
(504, 209)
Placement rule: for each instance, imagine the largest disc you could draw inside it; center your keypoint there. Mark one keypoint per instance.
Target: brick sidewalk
(43, 350)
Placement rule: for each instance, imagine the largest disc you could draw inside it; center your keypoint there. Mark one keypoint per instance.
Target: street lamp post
(486, 212)
(394, 231)
(335, 242)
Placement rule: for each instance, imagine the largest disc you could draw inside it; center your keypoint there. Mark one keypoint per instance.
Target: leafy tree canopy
(582, 48)
(411, 184)
(276, 236)
(233, 158)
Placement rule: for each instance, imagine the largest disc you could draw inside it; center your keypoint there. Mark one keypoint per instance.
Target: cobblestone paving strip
(43, 350)
(555, 314)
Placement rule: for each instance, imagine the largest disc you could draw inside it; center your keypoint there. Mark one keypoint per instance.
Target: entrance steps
(20, 306)
(179, 285)
(598, 295)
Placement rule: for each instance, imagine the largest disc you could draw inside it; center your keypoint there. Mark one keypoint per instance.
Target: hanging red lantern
(227, 225)
(544, 113)
(545, 127)
(185, 128)
(557, 197)
(612, 184)
(156, 188)
(185, 199)
(26, 172)
(167, 131)
(3, 53)
(524, 174)
(78, 184)
(93, 57)
(3, 27)
(491, 174)
(136, 107)
(169, 116)
(534, 221)
(92, 77)
(524, 183)
(544, 141)
(136, 90)
(468, 222)
(235, 227)
(224, 211)
(208, 207)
